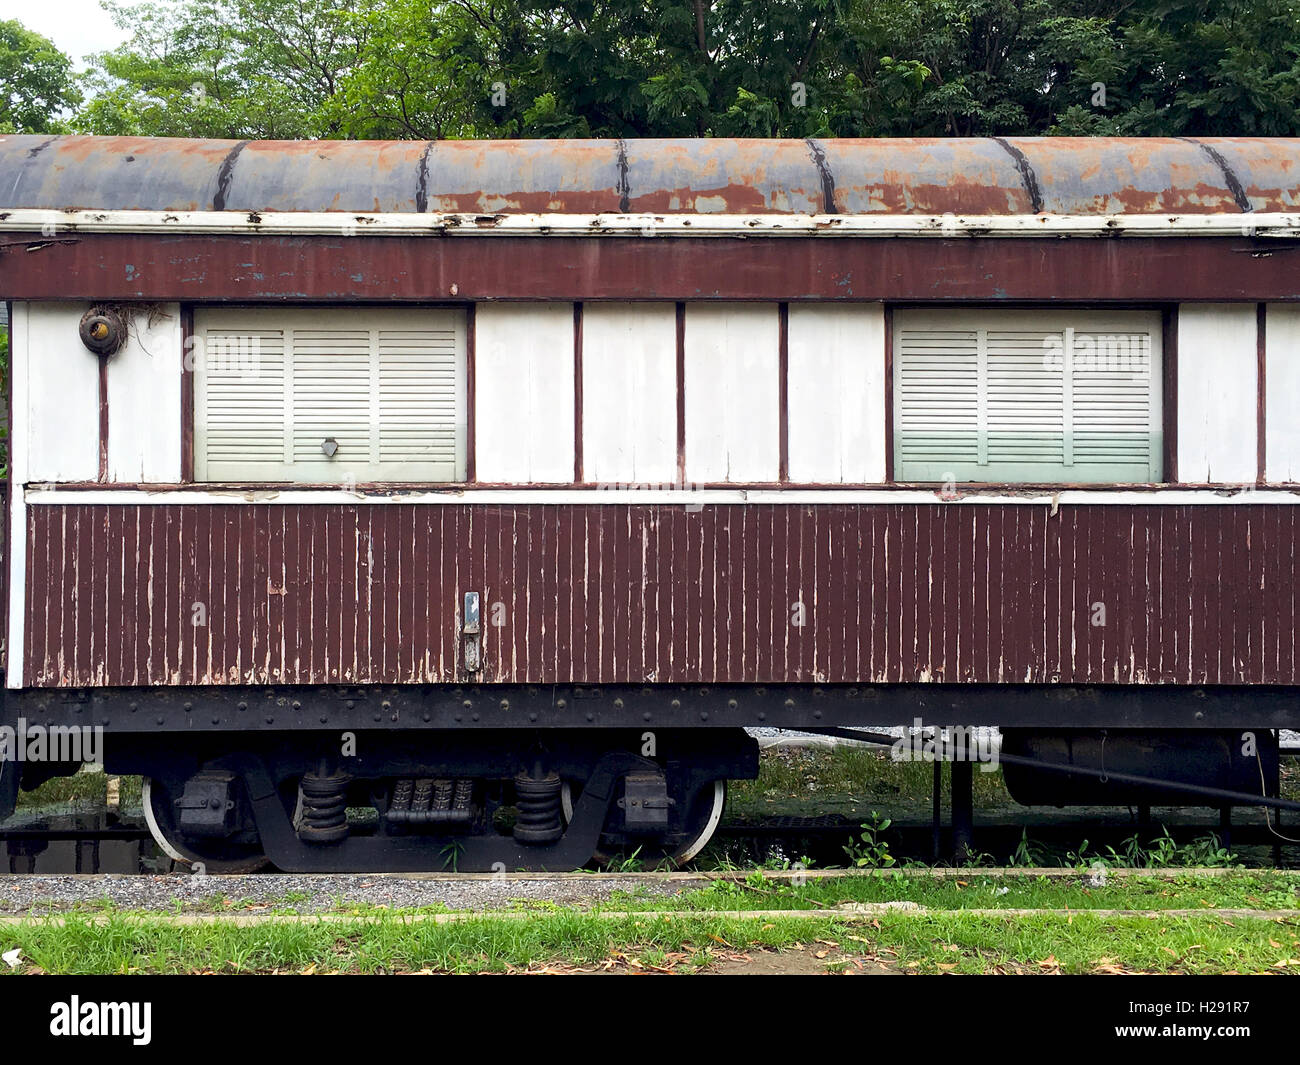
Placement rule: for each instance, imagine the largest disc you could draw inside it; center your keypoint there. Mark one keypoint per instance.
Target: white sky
(77, 27)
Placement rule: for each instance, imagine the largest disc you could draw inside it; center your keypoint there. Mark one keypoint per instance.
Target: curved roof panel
(996, 176)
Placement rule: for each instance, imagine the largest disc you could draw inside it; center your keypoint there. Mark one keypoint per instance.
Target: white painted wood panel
(524, 392)
(144, 401)
(1282, 393)
(62, 393)
(732, 392)
(629, 393)
(1217, 393)
(836, 404)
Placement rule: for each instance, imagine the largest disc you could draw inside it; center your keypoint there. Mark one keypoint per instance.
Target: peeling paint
(615, 593)
(1012, 175)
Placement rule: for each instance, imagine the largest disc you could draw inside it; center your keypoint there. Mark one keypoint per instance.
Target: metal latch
(470, 634)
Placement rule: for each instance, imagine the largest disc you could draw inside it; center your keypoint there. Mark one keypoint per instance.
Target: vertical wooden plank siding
(267, 593)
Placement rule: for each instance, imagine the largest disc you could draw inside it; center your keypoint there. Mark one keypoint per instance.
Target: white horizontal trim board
(836, 393)
(1218, 395)
(50, 224)
(523, 392)
(1282, 393)
(52, 495)
(629, 393)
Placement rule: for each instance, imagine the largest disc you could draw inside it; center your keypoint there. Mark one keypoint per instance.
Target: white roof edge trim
(52, 225)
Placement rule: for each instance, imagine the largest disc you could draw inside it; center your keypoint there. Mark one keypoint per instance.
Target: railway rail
(128, 849)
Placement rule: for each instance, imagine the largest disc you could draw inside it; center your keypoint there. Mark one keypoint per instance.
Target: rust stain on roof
(1016, 175)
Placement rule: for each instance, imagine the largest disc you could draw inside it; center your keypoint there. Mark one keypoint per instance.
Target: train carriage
(496, 488)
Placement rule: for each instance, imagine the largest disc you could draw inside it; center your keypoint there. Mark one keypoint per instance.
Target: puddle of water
(86, 840)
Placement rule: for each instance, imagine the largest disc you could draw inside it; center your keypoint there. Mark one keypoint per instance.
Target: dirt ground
(808, 961)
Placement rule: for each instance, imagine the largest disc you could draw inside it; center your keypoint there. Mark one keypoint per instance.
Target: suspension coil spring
(324, 807)
(539, 818)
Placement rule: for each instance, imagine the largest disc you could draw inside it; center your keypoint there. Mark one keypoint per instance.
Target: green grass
(845, 777)
(864, 774)
(1248, 890)
(1078, 942)
(82, 789)
(1235, 889)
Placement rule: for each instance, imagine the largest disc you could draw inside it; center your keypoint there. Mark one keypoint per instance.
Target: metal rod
(937, 802)
(963, 810)
(1236, 798)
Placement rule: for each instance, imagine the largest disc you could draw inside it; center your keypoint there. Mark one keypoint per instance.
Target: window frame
(1159, 320)
(197, 319)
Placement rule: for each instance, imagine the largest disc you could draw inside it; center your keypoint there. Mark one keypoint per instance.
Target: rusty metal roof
(998, 176)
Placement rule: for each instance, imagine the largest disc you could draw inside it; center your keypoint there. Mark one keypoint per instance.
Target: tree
(232, 68)
(36, 82)
(429, 69)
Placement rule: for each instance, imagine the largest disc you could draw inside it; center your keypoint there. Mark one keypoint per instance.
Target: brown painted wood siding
(646, 593)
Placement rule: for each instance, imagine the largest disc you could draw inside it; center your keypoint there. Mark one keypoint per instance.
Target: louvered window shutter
(330, 396)
(1027, 397)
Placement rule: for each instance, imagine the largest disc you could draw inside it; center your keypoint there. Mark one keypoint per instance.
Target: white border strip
(52, 224)
(38, 495)
(15, 633)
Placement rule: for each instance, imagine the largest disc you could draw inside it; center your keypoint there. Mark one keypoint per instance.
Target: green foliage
(1158, 852)
(36, 82)
(232, 68)
(615, 68)
(869, 850)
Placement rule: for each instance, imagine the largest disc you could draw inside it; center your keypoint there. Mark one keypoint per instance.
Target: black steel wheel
(687, 836)
(211, 856)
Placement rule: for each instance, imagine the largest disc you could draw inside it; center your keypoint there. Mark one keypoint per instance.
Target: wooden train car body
(529, 440)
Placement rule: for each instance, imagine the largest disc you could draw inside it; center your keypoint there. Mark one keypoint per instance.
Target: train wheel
(701, 822)
(706, 813)
(201, 855)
